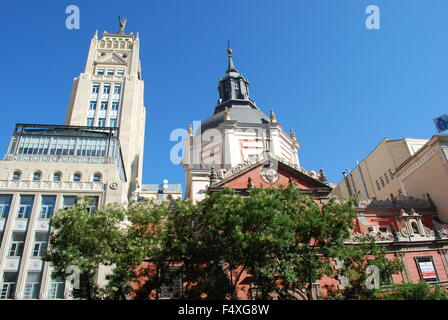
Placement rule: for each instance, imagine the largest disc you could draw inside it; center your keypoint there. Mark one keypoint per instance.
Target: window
(386, 177)
(68, 202)
(120, 72)
(89, 122)
(97, 177)
(93, 204)
(110, 72)
(95, 88)
(37, 176)
(5, 204)
(103, 105)
(171, 287)
(92, 105)
(117, 89)
(16, 175)
(40, 244)
(113, 122)
(25, 207)
(391, 175)
(414, 227)
(382, 182)
(114, 105)
(32, 285)
(100, 72)
(426, 268)
(77, 177)
(106, 88)
(47, 207)
(57, 288)
(101, 122)
(378, 185)
(8, 285)
(17, 243)
(57, 177)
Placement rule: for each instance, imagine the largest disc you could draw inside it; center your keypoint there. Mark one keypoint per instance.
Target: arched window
(109, 44)
(77, 177)
(115, 44)
(16, 175)
(37, 176)
(122, 44)
(97, 177)
(57, 176)
(102, 44)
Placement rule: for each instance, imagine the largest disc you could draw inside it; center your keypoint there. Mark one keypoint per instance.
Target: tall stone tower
(109, 93)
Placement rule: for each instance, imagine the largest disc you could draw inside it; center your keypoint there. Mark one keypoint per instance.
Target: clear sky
(342, 87)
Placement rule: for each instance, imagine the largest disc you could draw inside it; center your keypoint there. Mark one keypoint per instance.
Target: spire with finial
(190, 130)
(273, 117)
(231, 66)
(226, 114)
(292, 134)
(95, 36)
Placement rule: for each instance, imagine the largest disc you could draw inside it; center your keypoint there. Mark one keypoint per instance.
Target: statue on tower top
(122, 24)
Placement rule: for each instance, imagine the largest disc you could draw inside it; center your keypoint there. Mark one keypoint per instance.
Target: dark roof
(242, 114)
(66, 132)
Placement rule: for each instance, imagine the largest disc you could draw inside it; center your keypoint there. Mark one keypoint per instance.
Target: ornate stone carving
(113, 186)
(269, 175)
(372, 235)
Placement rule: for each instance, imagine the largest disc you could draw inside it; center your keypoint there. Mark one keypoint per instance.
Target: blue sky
(342, 88)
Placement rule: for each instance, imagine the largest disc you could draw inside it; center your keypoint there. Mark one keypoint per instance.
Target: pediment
(111, 59)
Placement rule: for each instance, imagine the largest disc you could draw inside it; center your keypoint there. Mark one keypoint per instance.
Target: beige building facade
(425, 174)
(373, 177)
(97, 154)
(109, 93)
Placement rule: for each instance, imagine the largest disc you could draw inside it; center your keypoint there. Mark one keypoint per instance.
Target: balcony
(12, 264)
(20, 224)
(51, 185)
(35, 264)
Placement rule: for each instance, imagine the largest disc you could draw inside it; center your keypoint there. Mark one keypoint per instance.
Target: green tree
(416, 291)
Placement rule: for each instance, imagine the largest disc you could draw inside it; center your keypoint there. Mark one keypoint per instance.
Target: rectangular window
(101, 122)
(120, 72)
(106, 88)
(117, 88)
(103, 105)
(113, 122)
(92, 105)
(68, 202)
(57, 287)
(426, 268)
(40, 244)
(8, 287)
(93, 204)
(47, 207)
(25, 207)
(114, 105)
(89, 122)
(17, 243)
(100, 72)
(382, 182)
(171, 287)
(95, 88)
(32, 285)
(5, 204)
(386, 177)
(110, 72)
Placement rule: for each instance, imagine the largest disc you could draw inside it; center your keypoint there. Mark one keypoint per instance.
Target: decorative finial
(250, 183)
(322, 177)
(226, 114)
(273, 117)
(190, 130)
(95, 36)
(212, 175)
(292, 134)
(229, 50)
(122, 24)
